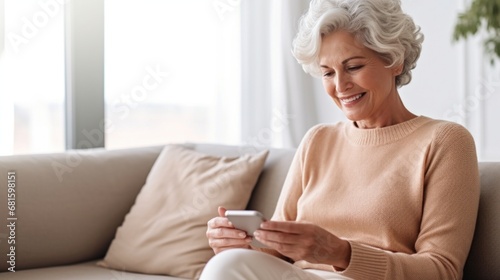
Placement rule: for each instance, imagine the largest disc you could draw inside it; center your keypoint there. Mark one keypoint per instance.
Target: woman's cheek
(331, 92)
(329, 88)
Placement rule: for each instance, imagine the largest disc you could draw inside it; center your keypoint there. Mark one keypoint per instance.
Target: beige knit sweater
(404, 196)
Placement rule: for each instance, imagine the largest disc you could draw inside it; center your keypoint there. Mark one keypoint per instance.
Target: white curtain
(2, 47)
(279, 99)
(2, 26)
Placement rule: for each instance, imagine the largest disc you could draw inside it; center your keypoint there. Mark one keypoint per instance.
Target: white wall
(452, 81)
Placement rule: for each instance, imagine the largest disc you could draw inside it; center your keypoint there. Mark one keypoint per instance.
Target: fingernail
(256, 234)
(241, 234)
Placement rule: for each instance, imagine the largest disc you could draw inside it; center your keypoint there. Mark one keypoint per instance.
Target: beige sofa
(69, 205)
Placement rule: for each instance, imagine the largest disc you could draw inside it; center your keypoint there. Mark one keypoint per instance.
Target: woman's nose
(342, 83)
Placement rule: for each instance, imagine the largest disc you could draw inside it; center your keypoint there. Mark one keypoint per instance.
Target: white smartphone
(248, 221)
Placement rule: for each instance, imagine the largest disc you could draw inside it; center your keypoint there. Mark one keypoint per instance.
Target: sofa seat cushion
(164, 232)
(82, 271)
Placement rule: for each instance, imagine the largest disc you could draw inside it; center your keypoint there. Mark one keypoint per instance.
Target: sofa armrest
(484, 257)
(69, 205)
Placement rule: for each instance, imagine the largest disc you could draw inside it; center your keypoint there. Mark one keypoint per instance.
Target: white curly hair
(380, 25)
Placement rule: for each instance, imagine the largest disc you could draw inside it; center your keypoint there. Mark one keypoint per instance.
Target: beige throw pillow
(164, 232)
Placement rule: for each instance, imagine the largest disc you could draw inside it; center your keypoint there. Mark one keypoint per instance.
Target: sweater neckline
(383, 135)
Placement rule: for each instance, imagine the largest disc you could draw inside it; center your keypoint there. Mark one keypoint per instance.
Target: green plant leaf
(481, 15)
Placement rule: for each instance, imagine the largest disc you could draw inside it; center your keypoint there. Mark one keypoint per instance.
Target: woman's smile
(352, 100)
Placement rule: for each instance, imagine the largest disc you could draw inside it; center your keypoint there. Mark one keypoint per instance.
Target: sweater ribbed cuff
(366, 263)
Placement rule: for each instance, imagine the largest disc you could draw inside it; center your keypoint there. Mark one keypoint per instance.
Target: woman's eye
(354, 68)
(328, 74)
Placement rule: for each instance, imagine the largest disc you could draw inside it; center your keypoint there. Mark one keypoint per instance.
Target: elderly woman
(387, 195)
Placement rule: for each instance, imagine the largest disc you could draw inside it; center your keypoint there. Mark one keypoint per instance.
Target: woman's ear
(397, 70)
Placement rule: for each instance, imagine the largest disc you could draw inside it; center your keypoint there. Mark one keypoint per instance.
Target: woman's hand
(222, 235)
(305, 241)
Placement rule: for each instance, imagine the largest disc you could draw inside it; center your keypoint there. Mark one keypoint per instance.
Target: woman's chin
(352, 116)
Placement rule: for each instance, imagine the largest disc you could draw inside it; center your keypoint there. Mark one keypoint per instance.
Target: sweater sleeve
(286, 208)
(450, 204)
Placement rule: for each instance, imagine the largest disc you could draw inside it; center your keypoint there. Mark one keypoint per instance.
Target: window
(32, 77)
(171, 72)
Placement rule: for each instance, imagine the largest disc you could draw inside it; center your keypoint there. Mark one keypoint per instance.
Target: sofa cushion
(81, 271)
(164, 232)
(268, 188)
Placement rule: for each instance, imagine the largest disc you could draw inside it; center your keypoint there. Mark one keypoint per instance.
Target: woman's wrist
(345, 256)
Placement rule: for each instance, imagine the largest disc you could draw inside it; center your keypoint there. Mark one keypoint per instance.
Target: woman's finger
(229, 242)
(226, 233)
(222, 211)
(284, 226)
(219, 222)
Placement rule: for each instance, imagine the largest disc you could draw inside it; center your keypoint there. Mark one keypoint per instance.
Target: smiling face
(359, 82)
